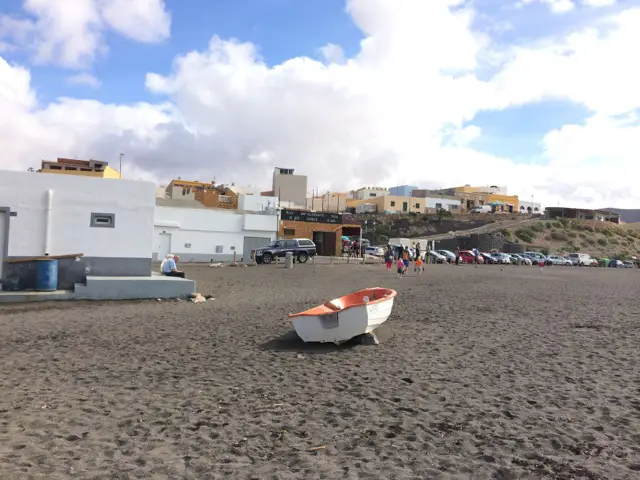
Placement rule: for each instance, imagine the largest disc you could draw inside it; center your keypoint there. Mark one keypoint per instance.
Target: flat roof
(597, 210)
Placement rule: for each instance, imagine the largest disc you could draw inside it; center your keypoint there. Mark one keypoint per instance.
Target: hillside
(628, 215)
(599, 239)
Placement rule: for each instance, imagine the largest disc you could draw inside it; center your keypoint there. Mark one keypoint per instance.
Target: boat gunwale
(390, 296)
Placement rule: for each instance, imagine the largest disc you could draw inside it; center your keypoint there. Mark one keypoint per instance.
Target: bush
(572, 234)
(589, 241)
(537, 227)
(526, 235)
(614, 241)
(572, 248)
(625, 244)
(603, 241)
(607, 233)
(557, 224)
(545, 251)
(560, 236)
(548, 224)
(506, 234)
(582, 235)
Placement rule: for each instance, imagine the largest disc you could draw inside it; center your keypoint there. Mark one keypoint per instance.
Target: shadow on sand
(290, 342)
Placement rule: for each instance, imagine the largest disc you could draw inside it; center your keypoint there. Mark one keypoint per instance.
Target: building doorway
(325, 243)
(164, 245)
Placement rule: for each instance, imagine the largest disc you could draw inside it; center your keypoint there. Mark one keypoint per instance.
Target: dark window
(405, 206)
(290, 244)
(372, 194)
(103, 220)
(289, 232)
(305, 243)
(417, 205)
(438, 206)
(392, 203)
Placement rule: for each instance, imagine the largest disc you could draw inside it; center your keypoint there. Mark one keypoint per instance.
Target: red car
(467, 256)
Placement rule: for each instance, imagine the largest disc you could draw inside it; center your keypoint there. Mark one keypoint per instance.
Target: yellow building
(503, 203)
(87, 168)
(392, 204)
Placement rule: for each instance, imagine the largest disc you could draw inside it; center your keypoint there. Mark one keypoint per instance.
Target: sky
(541, 96)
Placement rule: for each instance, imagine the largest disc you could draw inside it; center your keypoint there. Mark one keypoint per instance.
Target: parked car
(437, 257)
(580, 259)
(450, 256)
(628, 264)
(302, 249)
(523, 260)
(537, 258)
(488, 258)
(558, 260)
(467, 256)
(375, 251)
(502, 258)
(481, 209)
(616, 263)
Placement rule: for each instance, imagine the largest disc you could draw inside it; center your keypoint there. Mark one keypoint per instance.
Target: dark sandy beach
(482, 373)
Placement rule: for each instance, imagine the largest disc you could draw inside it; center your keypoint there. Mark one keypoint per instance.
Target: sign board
(313, 217)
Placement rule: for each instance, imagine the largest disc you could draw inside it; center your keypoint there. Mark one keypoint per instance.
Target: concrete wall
(199, 235)
(121, 250)
(402, 190)
(290, 188)
(256, 203)
(451, 204)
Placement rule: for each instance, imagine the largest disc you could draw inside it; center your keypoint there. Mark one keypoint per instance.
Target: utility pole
(121, 155)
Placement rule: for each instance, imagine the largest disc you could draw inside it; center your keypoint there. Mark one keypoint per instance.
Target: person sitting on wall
(169, 267)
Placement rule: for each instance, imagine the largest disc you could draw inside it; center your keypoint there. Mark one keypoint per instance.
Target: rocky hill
(599, 239)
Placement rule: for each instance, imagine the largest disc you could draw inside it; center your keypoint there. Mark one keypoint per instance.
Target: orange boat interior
(362, 297)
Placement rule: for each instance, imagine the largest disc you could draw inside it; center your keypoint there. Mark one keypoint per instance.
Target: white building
(529, 207)
(366, 193)
(109, 222)
(451, 204)
(199, 234)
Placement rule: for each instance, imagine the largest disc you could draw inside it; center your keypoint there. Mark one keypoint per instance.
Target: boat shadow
(291, 342)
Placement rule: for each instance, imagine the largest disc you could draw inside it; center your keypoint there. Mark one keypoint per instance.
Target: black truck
(301, 248)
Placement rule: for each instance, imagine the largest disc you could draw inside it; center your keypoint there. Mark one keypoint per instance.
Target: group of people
(403, 256)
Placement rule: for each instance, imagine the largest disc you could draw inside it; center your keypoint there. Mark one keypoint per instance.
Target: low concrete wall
(71, 271)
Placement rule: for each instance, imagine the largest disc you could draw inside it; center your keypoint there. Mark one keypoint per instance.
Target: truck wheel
(267, 258)
(303, 257)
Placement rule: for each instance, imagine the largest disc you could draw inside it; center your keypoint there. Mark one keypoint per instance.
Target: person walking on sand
(388, 257)
(417, 255)
(405, 258)
(476, 256)
(457, 252)
(419, 266)
(400, 265)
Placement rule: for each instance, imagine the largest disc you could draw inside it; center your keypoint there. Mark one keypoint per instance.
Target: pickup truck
(301, 248)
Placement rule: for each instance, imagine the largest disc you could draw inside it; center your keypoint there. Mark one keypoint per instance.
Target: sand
(482, 373)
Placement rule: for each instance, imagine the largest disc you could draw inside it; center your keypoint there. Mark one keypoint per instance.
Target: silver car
(450, 256)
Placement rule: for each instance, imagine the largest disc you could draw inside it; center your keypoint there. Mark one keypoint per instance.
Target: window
(232, 248)
(372, 194)
(290, 244)
(289, 232)
(306, 243)
(55, 167)
(225, 199)
(438, 206)
(219, 248)
(187, 245)
(103, 220)
(417, 205)
(392, 203)
(405, 206)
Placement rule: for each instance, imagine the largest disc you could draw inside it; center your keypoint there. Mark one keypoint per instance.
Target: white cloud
(395, 113)
(70, 33)
(556, 6)
(85, 79)
(598, 3)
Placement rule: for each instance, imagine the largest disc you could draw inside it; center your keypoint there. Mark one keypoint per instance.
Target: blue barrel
(46, 275)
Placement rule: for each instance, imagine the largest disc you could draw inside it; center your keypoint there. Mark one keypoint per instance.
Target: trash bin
(288, 260)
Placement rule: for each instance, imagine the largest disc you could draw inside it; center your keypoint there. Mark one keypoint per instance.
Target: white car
(557, 260)
(523, 260)
(580, 259)
(502, 258)
(437, 257)
(375, 251)
(450, 256)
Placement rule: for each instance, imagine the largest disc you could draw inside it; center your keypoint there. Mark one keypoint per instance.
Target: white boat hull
(343, 325)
